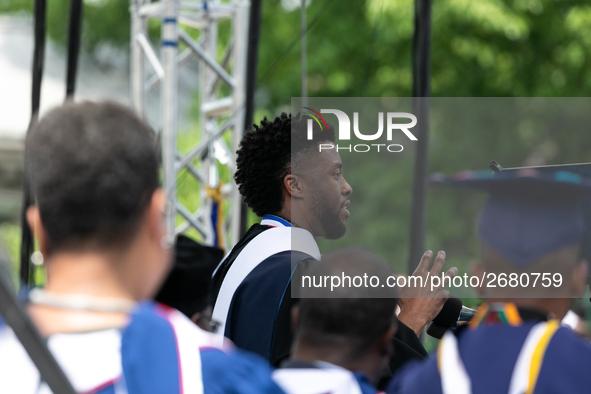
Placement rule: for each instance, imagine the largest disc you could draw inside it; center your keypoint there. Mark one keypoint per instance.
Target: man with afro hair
(297, 187)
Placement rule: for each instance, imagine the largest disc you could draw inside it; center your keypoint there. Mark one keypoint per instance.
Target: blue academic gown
(258, 319)
(489, 353)
(259, 315)
(161, 352)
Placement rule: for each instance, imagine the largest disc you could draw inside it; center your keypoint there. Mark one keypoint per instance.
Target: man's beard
(332, 225)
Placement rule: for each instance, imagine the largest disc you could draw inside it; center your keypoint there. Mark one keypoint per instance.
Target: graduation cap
(187, 286)
(529, 212)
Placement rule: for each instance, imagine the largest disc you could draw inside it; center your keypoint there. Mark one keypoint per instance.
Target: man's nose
(347, 189)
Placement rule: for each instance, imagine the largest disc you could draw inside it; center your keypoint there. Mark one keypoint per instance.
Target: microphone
(452, 312)
(466, 314)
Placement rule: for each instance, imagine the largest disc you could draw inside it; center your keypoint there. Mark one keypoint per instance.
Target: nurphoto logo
(344, 130)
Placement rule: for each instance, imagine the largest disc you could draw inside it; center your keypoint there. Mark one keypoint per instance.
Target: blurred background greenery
(359, 48)
(362, 48)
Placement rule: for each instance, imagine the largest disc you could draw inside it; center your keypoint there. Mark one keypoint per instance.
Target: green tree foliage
(501, 48)
(498, 48)
(104, 21)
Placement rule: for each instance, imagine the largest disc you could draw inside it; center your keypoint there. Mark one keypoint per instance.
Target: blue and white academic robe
(251, 287)
(534, 357)
(159, 352)
(306, 378)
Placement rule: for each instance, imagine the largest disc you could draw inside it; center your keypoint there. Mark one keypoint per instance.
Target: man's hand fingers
(452, 272)
(438, 264)
(425, 261)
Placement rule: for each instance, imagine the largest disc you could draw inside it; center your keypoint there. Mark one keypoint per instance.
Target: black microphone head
(449, 313)
(436, 330)
(467, 314)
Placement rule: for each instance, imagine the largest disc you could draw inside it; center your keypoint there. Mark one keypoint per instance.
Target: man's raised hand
(420, 304)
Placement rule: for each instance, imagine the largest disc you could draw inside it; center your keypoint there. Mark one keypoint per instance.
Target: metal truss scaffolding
(218, 115)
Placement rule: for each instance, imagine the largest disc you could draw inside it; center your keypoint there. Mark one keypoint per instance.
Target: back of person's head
(536, 230)
(93, 168)
(564, 267)
(531, 230)
(266, 155)
(562, 260)
(345, 319)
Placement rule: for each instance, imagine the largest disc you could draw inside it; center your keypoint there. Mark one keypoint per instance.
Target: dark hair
(187, 286)
(265, 156)
(93, 168)
(344, 318)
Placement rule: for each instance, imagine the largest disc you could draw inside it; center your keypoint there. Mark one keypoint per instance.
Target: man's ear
(385, 346)
(38, 230)
(295, 319)
(293, 186)
(477, 269)
(154, 219)
(579, 278)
